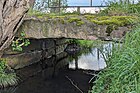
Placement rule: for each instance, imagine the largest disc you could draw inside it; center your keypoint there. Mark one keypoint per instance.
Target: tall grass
(123, 72)
(121, 7)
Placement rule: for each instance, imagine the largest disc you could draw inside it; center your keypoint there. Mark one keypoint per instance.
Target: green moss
(61, 20)
(116, 20)
(106, 22)
(79, 23)
(103, 18)
(110, 28)
(99, 20)
(73, 19)
(53, 17)
(89, 17)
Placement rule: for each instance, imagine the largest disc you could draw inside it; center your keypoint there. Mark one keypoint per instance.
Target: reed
(123, 72)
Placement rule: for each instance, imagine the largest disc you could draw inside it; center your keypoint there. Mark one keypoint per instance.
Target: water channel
(68, 75)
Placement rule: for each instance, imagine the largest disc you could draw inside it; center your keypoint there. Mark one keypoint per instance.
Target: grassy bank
(123, 72)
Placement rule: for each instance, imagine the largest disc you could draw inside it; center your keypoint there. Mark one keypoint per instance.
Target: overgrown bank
(122, 74)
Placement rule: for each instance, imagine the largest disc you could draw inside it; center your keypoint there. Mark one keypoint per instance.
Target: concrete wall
(38, 49)
(54, 28)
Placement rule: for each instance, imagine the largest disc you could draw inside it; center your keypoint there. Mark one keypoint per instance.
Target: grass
(86, 43)
(123, 7)
(123, 72)
(7, 76)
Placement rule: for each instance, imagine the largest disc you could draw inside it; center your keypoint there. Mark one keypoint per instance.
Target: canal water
(72, 74)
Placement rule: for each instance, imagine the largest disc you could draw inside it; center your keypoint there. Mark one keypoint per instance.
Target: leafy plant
(18, 43)
(7, 76)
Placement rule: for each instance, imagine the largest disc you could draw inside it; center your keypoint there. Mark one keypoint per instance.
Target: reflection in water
(53, 79)
(92, 60)
(8, 90)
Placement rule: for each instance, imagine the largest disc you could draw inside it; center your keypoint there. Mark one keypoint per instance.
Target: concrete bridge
(73, 26)
(47, 36)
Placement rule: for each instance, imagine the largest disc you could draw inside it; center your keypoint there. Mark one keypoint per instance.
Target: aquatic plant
(7, 76)
(123, 72)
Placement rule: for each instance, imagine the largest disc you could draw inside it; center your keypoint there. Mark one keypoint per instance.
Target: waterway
(71, 74)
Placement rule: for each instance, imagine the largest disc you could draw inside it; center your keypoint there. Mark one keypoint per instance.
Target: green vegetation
(121, 8)
(113, 20)
(21, 41)
(7, 76)
(110, 28)
(82, 19)
(78, 21)
(43, 5)
(123, 72)
(86, 43)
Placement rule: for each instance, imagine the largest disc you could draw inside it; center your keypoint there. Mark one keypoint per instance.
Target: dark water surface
(68, 75)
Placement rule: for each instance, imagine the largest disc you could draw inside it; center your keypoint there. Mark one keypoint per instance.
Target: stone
(37, 28)
(22, 60)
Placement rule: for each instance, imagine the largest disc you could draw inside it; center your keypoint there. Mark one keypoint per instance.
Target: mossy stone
(110, 28)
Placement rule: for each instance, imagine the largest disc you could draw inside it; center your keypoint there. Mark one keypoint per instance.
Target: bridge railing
(77, 9)
(86, 7)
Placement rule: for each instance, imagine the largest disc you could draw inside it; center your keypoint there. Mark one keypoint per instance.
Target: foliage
(122, 74)
(86, 43)
(7, 77)
(43, 5)
(121, 8)
(21, 41)
(86, 47)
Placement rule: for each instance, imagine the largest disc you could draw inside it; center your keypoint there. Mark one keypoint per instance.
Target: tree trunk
(12, 13)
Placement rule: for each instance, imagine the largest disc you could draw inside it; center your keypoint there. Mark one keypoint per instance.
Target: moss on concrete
(99, 20)
(73, 19)
(116, 20)
(110, 28)
(78, 21)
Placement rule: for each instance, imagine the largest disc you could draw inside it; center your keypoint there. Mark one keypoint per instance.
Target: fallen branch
(90, 73)
(74, 84)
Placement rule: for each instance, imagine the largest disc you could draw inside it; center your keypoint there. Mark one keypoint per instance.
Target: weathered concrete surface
(38, 49)
(54, 28)
(22, 60)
